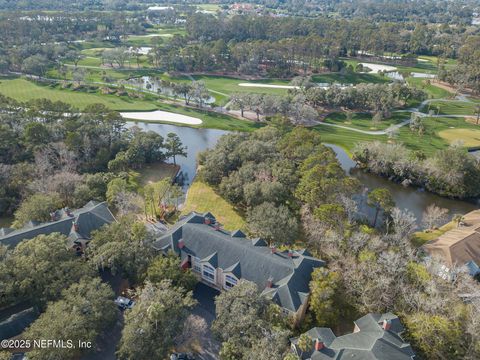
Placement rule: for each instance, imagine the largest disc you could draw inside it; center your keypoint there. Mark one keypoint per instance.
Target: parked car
(181, 356)
(124, 303)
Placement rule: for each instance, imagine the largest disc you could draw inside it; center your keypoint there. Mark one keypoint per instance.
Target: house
(375, 337)
(77, 225)
(459, 246)
(221, 258)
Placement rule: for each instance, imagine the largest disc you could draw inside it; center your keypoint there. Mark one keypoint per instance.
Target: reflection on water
(196, 140)
(410, 198)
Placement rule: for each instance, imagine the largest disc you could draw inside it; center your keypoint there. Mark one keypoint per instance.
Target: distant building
(375, 337)
(77, 225)
(459, 246)
(220, 259)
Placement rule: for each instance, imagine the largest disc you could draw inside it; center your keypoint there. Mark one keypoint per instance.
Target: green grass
(451, 107)
(469, 137)
(209, 7)
(432, 91)
(24, 90)
(344, 138)
(229, 85)
(363, 121)
(350, 78)
(202, 198)
(431, 141)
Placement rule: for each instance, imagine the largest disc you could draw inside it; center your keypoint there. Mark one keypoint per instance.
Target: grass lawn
(433, 91)
(421, 237)
(432, 141)
(24, 90)
(451, 107)
(229, 85)
(344, 138)
(363, 121)
(469, 137)
(429, 143)
(155, 172)
(202, 198)
(350, 78)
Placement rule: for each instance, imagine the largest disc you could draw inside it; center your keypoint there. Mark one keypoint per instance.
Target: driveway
(206, 310)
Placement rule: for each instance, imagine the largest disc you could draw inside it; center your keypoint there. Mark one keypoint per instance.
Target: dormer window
(208, 273)
(230, 281)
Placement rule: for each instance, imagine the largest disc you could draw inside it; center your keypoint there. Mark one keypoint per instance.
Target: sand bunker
(258, 85)
(159, 115)
(376, 68)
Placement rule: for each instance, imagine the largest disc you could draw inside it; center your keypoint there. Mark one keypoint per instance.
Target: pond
(410, 198)
(196, 140)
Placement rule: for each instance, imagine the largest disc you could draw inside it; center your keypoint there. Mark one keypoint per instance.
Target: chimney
(387, 324)
(216, 226)
(319, 345)
(207, 221)
(270, 282)
(273, 249)
(75, 226)
(52, 216)
(290, 253)
(181, 244)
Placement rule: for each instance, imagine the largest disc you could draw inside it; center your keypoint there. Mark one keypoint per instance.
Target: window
(208, 273)
(196, 265)
(230, 281)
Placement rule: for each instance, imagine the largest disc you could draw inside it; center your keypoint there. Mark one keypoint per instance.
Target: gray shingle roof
(88, 218)
(370, 342)
(252, 259)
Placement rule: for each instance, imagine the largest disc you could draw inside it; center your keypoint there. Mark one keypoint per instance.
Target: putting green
(470, 137)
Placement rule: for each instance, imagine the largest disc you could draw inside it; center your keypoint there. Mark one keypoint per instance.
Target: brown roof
(460, 245)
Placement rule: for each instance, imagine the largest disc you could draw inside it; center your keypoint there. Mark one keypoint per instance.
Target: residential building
(375, 337)
(221, 258)
(77, 225)
(459, 246)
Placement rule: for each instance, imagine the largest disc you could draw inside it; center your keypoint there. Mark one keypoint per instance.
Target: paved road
(206, 310)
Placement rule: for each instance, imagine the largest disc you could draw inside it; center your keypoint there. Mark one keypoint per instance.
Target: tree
(273, 223)
(168, 268)
(84, 311)
(174, 147)
(434, 216)
(438, 337)
(38, 269)
(199, 92)
(380, 199)
(36, 133)
(240, 101)
(37, 207)
(124, 246)
(243, 303)
(305, 343)
(157, 318)
(323, 297)
(332, 215)
(183, 89)
(35, 65)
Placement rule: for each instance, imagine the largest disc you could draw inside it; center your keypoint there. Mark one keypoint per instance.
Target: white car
(124, 303)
